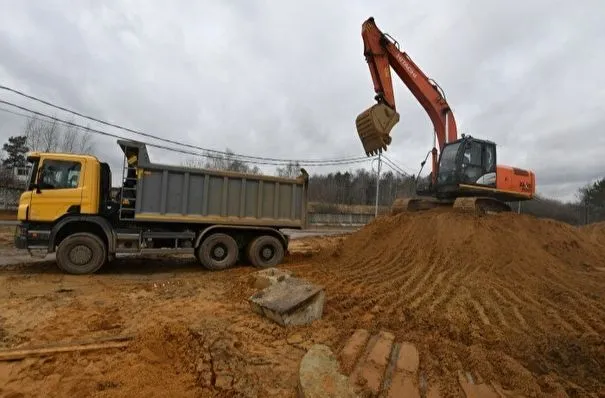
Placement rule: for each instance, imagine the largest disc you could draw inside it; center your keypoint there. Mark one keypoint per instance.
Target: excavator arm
(375, 124)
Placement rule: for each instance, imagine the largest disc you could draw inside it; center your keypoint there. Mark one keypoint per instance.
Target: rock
(223, 381)
(292, 301)
(267, 277)
(319, 375)
(91, 369)
(295, 339)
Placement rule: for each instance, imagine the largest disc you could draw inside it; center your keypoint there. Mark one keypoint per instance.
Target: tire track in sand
(551, 312)
(513, 310)
(400, 297)
(493, 311)
(484, 288)
(571, 317)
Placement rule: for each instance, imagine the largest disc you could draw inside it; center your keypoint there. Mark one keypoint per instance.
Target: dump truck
(220, 217)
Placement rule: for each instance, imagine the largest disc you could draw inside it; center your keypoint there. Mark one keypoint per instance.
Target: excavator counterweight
(374, 126)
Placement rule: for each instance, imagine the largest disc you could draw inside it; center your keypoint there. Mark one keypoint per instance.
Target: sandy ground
(195, 336)
(511, 299)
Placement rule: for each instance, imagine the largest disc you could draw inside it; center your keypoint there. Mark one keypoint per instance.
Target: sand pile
(596, 232)
(511, 297)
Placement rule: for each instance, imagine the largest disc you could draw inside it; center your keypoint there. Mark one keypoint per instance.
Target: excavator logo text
(406, 65)
(525, 186)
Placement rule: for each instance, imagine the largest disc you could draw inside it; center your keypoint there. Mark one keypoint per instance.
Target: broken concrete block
(267, 277)
(292, 301)
(319, 375)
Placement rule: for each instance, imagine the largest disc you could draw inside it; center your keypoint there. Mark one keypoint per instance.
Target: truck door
(59, 189)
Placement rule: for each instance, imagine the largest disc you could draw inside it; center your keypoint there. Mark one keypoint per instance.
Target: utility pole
(378, 183)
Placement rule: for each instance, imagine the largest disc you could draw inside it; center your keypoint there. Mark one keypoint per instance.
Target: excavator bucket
(374, 125)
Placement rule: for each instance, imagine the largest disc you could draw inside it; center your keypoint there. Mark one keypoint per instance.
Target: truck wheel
(218, 251)
(81, 253)
(265, 251)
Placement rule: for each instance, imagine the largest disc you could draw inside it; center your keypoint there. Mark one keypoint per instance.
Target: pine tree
(16, 148)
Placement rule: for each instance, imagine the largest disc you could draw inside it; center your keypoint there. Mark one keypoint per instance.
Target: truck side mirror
(36, 185)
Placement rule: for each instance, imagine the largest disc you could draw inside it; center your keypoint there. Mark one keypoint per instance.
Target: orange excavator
(465, 174)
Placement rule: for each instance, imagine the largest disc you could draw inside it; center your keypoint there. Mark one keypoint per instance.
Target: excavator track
(408, 205)
(474, 205)
(480, 205)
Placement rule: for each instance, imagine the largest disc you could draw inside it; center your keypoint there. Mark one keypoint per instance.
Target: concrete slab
(291, 301)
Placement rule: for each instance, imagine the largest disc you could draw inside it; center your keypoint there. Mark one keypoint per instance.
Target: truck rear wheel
(218, 251)
(265, 251)
(81, 253)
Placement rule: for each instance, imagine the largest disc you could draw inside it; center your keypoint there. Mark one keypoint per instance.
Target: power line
(173, 141)
(395, 170)
(104, 133)
(395, 166)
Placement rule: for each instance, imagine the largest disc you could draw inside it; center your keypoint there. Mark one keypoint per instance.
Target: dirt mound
(517, 299)
(596, 232)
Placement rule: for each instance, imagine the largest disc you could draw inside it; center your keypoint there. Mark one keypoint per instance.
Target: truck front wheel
(218, 251)
(265, 251)
(81, 253)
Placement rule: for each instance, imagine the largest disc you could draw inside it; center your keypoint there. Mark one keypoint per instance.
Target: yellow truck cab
(63, 184)
(221, 217)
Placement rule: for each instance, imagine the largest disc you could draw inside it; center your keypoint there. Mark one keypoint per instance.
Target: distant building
(14, 175)
(20, 173)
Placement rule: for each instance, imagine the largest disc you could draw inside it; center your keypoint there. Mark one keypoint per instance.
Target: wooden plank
(73, 346)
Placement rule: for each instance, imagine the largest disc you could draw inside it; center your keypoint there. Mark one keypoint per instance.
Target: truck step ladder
(128, 191)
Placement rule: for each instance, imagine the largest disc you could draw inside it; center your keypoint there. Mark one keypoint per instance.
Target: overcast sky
(286, 79)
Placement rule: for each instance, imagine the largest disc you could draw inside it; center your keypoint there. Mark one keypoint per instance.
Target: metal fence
(339, 219)
(9, 197)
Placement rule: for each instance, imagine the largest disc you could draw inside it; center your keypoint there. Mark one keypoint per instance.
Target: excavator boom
(375, 123)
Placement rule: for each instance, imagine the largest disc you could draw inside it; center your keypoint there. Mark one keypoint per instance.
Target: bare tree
(76, 140)
(292, 169)
(194, 163)
(52, 136)
(228, 161)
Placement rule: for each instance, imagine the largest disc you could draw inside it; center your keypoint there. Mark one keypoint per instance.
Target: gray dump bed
(178, 194)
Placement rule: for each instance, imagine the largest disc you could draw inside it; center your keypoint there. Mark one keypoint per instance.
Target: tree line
(45, 136)
(359, 188)
(356, 187)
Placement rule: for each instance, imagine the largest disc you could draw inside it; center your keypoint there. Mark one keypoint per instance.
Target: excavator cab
(374, 126)
(468, 161)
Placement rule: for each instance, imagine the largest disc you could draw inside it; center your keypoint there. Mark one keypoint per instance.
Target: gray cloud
(287, 79)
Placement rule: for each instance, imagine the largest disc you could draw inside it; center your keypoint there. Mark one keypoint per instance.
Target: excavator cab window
(468, 161)
(472, 167)
(478, 165)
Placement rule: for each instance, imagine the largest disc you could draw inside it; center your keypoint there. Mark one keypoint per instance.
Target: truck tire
(265, 251)
(218, 251)
(81, 253)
